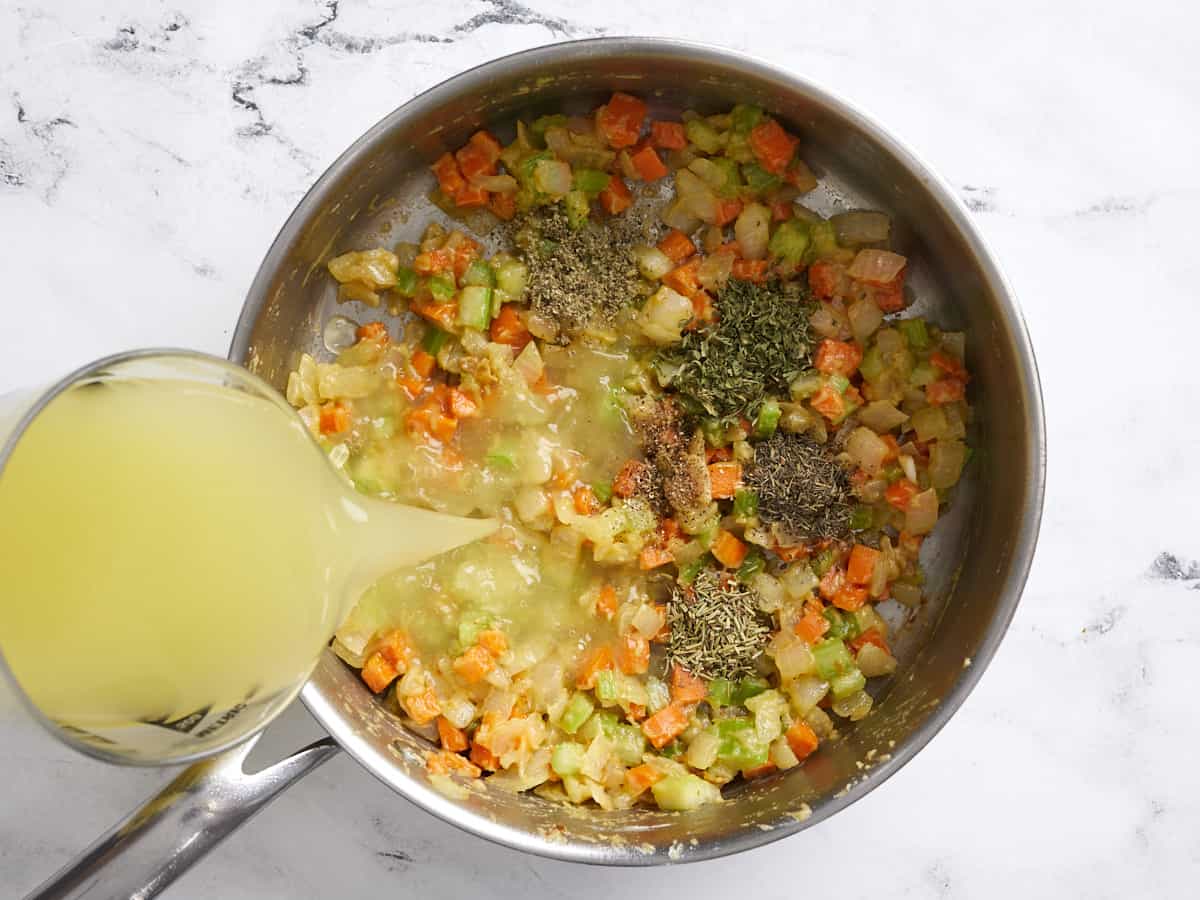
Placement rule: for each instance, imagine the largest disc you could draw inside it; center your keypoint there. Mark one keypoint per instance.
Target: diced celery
(861, 518)
(673, 750)
(767, 419)
(688, 572)
(703, 135)
(606, 687)
(872, 365)
(602, 490)
(759, 180)
(915, 333)
(839, 383)
(658, 692)
(754, 563)
(740, 747)
(434, 340)
(714, 433)
(590, 181)
(744, 117)
(442, 287)
(511, 277)
(578, 208)
(840, 625)
(479, 273)
(475, 307)
(577, 710)
(745, 503)
(537, 130)
(471, 625)
(720, 692)
(406, 282)
(525, 170)
(823, 561)
(683, 792)
(601, 723)
(731, 182)
(924, 374)
(737, 148)
(567, 758)
(629, 743)
(747, 688)
(832, 658)
(499, 298)
(789, 241)
(847, 683)
(824, 240)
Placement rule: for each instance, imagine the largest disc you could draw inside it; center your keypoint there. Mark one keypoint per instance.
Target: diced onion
(712, 174)
(865, 318)
(648, 620)
(752, 230)
(861, 227)
(339, 333)
(714, 270)
(922, 513)
(664, 315)
(854, 707)
(805, 693)
(499, 184)
(794, 658)
(652, 262)
(875, 661)
(866, 449)
(881, 416)
(528, 363)
(908, 467)
(677, 214)
(907, 594)
(877, 266)
(946, 460)
(553, 177)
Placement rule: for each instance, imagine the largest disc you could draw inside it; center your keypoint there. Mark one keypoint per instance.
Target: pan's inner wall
(375, 194)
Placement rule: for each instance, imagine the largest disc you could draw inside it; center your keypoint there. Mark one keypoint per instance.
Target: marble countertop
(149, 151)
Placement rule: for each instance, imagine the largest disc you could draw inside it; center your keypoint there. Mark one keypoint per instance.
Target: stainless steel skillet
(976, 563)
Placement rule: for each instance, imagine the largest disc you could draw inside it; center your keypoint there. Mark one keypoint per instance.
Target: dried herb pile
(759, 345)
(801, 489)
(717, 629)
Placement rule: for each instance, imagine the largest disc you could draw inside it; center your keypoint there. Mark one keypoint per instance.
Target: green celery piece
(732, 184)
(606, 687)
(567, 758)
(737, 148)
(673, 750)
(893, 473)
(823, 561)
(602, 722)
(406, 282)
(839, 383)
(602, 490)
(630, 744)
(720, 692)
(924, 374)
(824, 240)
(475, 307)
(576, 712)
(703, 135)
(790, 241)
(511, 278)
(578, 208)
(740, 747)
(479, 273)
(683, 792)
(758, 179)
(714, 433)
(526, 168)
(590, 181)
(747, 688)
(434, 340)
(839, 625)
(744, 117)
(501, 460)
(688, 573)
(470, 627)
(537, 130)
(915, 333)
(846, 684)
(872, 364)
(832, 658)
(754, 563)
(442, 288)
(767, 420)
(745, 503)
(861, 518)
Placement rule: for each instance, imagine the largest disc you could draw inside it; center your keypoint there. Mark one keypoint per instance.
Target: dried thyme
(801, 488)
(717, 629)
(758, 346)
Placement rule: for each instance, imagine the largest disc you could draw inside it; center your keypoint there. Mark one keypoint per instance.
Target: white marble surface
(150, 150)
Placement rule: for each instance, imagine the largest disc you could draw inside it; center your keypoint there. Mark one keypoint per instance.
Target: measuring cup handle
(148, 850)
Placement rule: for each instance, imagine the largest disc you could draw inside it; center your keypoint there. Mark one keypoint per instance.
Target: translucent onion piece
(877, 266)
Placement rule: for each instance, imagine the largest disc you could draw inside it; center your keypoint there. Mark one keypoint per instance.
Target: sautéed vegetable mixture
(713, 441)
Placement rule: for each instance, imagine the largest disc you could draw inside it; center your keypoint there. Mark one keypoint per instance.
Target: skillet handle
(147, 851)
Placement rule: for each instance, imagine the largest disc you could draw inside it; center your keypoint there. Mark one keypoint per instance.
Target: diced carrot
(773, 146)
(474, 664)
(828, 403)
(900, 493)
(606, 602)
(911, 543)
(686, 687)
(471, 196)
(450, 179)
(479, 155)
(668, 530)
(870, 636)
(947, 390)
(507, 328)
(802, 739)
(635, 712)
(377, 672)
(653, 557)
(665, 631)
(945, 362)
(460, 405)
(434, 262)
(443, 427)
(444, 315)
(850, 597)
(890, 297)
(729, 551)
(647, 164)
(677, 246)
(372, 331)
(422, 363)
(727, 211)
(615, 198)
(718, 454)
(824, 278)
(725, 478)
(861, 565)
(396, 648)
(642, 778)
(464, 251)
(668, 135)
(781, 210)
(838, 357)
(585, 500)
(493, 641)
(665, 725)
(334, 418)
(893, 451)
(483, 757)
(793, 553)
(411, 382)
(750, 270)
(625, 482)
(423, 707)
(504, 206)
(633, 654)
(599, 660)
(445, 762)
(452, 737)
(812, 626)
(831, 582)
(683, 279)
(620, 120)
(758, 771)
(853, 396)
